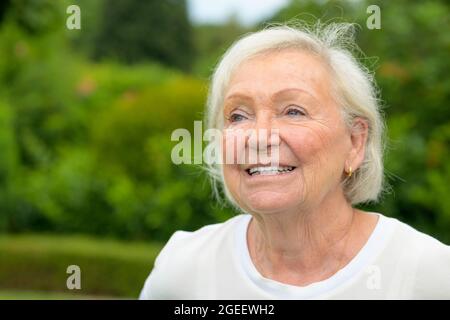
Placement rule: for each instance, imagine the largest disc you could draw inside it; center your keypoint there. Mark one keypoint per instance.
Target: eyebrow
(238, 95)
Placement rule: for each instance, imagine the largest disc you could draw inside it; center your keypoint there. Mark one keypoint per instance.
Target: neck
(311, 243)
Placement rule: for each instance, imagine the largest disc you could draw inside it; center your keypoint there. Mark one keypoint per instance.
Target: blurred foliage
(134, 31)
(86, 143)
(211, 41)
(42, 261)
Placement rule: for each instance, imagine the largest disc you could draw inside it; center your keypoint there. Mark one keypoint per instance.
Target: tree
(4, 6)
(135, 30)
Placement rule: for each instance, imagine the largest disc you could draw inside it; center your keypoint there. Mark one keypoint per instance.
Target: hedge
(108, 267)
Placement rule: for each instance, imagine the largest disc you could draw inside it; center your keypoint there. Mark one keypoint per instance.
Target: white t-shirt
(397, 262)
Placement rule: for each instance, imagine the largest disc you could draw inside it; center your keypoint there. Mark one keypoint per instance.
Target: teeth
(269, 170)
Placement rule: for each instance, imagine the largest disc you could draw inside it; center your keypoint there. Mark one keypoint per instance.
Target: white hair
(355, 92)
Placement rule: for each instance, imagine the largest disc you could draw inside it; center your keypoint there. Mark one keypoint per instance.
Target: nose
(263, 135)
(263, 140)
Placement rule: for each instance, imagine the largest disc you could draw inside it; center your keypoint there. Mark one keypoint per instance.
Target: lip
(268, 177)
(246, 167)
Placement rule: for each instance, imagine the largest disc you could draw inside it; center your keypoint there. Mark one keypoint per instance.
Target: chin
(270, 202)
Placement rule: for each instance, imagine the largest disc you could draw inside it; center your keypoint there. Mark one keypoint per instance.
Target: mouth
(267, 171)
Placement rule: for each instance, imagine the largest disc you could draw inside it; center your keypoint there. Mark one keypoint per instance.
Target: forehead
(274, 71)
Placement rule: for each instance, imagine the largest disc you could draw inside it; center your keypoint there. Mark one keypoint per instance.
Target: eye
(236, 117)
(292, 111)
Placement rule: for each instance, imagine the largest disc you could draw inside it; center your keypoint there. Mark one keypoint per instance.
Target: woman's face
(290, 91)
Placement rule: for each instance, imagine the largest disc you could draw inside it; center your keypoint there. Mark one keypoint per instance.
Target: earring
(349, 172)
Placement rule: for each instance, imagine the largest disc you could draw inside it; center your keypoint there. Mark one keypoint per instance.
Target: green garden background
(86, 117)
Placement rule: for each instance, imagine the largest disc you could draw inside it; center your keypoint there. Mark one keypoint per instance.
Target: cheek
(232, 177)
(233, 144)
(320, 150)
(309, 144)
(231, 148)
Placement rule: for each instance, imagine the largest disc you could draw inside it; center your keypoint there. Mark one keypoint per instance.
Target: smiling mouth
(255, 171)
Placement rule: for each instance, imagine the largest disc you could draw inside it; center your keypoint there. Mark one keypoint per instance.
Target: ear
(358, 137)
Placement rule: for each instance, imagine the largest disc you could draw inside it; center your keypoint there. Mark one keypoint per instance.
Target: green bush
(108, 268)
(86, 146)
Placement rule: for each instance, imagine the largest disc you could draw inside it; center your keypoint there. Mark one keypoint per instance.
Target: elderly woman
(298, 235)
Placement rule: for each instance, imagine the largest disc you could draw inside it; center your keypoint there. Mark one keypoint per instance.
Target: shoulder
(411, 236)
(187, 242)
(427, 258)
(185, 253)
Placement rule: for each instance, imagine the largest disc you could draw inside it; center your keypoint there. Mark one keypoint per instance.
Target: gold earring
(349, 173)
